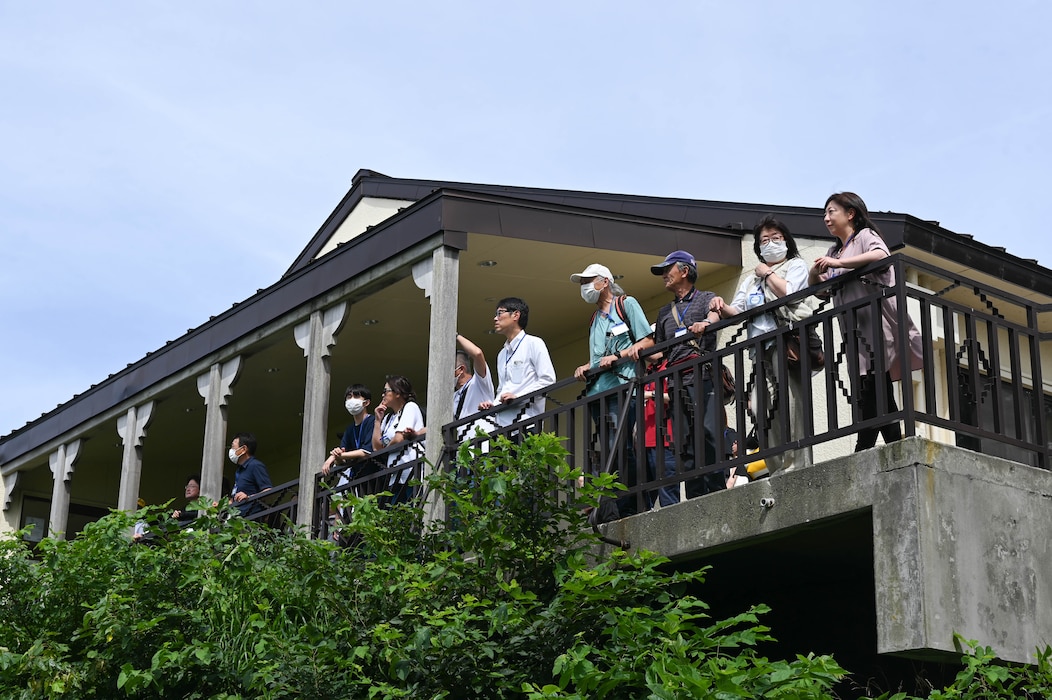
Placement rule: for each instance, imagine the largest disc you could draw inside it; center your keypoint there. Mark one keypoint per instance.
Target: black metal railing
(977, 382)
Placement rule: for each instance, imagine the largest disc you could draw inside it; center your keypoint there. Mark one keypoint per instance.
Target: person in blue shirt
(357, 440)
(618, 329)
(356, 443)
(251, 476)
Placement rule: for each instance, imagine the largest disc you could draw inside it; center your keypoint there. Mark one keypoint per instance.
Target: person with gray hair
(688, 317)
(618, 329)
(473, 384)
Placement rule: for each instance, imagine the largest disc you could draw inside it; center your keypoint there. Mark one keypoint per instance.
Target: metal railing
(978, 382)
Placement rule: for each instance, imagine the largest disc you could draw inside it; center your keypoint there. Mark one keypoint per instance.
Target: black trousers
(867, 400)
(693, 404)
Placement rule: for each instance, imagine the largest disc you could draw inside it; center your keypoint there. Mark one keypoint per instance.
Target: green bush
(502, 599)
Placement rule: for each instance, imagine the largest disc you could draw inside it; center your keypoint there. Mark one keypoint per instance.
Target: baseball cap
(676, 256)
(593, 270)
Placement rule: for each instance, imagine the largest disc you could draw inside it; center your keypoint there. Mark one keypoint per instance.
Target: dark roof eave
(450, 213)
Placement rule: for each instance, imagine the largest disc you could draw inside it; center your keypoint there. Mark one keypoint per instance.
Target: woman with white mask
(618, 329)
(357, 442)
(780, 272)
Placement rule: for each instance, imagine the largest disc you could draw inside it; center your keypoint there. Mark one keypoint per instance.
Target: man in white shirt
(474, 386)
(523, 364)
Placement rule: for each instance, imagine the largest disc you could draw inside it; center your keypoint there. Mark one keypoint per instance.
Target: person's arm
(795, 278)
(698, 327)
(410, 424)
(545, 368)
(775, 282)
(855, 261)
(262, 478)
(378, 426)
(875, 250)
(640, 325)
(478, 358)
(327, 467)
(737, 304)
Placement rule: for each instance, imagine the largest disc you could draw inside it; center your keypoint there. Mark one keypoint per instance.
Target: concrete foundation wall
(960, 540)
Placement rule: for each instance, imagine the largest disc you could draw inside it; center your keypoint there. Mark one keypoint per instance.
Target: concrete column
(132, 429)
(440, 280)
(215, 389)
(316, 337)
(61, 462)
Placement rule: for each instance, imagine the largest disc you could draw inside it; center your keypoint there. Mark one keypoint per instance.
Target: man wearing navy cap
(688, 317)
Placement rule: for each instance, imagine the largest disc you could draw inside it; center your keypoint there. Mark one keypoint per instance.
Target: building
(401, 265)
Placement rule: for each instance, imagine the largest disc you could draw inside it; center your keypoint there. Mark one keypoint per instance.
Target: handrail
(981, 379)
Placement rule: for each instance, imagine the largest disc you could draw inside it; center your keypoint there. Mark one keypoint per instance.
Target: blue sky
(161, 161)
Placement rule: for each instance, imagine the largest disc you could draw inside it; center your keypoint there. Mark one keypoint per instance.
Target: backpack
(619, 309)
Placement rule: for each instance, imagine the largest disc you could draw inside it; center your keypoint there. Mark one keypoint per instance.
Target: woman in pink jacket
(859, 243)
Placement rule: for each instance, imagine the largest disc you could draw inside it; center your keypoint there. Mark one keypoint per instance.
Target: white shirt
(523, 366)
(753, 293)
(467, 398)
(409, 417)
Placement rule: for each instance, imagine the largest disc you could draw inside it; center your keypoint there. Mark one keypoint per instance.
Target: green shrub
(501, 600)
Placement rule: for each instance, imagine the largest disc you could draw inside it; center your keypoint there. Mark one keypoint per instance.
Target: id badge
(619, 329)
(680, 332)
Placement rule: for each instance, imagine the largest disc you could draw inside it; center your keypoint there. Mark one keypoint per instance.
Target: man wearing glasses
(523, 364)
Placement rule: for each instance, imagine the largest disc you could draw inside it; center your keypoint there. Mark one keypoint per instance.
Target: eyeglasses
(388, 390)
(501, 311)
(772, 239)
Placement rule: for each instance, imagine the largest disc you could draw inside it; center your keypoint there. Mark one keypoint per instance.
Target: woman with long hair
(398, 418)
(859, 243)
(780, 272)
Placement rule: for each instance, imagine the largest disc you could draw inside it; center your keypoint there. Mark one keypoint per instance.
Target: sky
(160, 161)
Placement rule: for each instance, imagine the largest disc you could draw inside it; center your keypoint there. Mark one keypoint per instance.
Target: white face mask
(589, 293)
(231, 454)
(773, 251)
(354, 406)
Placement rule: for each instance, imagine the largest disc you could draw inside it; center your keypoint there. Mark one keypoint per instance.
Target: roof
(451, 210)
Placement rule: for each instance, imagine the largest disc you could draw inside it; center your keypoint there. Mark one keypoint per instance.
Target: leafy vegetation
(501, 601)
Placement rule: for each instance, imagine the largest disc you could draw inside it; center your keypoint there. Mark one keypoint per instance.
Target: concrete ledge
(961, 541)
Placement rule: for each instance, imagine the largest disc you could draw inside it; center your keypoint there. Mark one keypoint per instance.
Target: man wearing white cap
(618, 329)
(688, 317)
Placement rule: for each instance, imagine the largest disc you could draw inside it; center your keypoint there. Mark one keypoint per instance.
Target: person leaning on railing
(687, 317)
(780, 272)
(250, 476)
(524, 364)
(618, 329)
(398, 418)
(357, 441)
(858, 244)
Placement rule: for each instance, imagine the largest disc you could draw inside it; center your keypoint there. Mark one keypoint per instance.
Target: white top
(409, 417)
(467, 399)
(523, 366)
(753, 293)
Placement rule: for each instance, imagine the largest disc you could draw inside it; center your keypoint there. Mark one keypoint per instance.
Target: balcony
(945, 524)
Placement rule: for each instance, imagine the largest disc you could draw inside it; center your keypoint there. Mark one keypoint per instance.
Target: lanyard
(689, 299)
(509, 355)
(358, 436)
